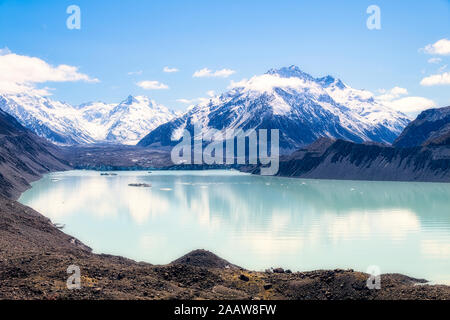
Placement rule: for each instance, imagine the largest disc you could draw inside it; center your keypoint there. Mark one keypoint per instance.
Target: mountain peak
(289, 72)
(129, 100)
(330, 80)
(295, 72)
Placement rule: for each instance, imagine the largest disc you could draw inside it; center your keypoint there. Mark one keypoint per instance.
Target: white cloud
(441, 47)
(15, 88)
(193, 101)
(135, 73)
(434, 60)
(436, 79)
(170, 70)
(394, 99)
(210, 93)
(392, 94)
(152, 85)
(411, 104)
(207, 73)
(186, 101)
(21, 73)
(398, 91)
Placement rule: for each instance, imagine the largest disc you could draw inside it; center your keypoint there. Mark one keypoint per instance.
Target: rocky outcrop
(432, 126)
(204, 258)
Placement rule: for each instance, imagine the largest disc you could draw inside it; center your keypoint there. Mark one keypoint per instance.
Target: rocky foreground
(35, 255)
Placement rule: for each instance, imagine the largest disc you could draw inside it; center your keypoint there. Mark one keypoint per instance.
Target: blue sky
(248, 37)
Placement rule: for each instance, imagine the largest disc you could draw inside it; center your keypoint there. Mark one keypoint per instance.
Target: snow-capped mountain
(61, 123)
(302, 107)
(57, 121)
(126, 122)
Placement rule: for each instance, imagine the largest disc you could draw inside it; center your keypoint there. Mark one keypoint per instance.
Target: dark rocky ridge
(24, 157)
(432, 126)
(350, 161)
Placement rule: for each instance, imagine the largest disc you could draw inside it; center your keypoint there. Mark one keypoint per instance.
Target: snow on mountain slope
(61, 123)
(302, 107)
(57, 121)
(131, 119)
(95, 118)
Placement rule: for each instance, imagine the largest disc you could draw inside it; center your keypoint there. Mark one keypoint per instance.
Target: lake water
(255, 222)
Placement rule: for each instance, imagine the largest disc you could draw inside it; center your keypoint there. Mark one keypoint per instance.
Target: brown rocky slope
(24, 157)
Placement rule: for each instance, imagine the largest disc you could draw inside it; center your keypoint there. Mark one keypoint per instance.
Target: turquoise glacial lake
(255, 222)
